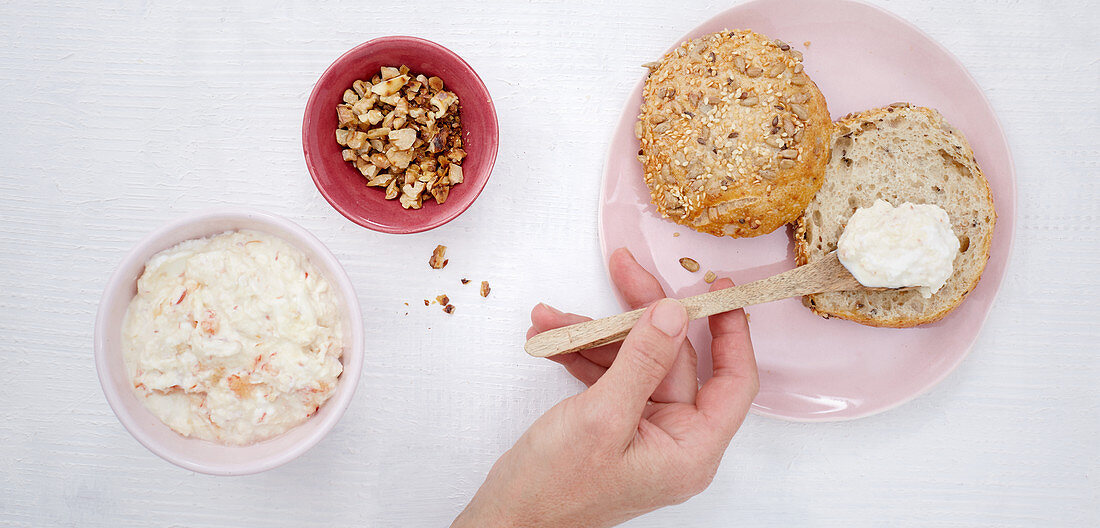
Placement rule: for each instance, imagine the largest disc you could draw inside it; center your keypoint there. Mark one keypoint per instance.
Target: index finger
(638, 287)
(726, 397)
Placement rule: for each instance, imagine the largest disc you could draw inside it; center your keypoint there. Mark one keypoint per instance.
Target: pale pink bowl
(342, 185)
(200, 455)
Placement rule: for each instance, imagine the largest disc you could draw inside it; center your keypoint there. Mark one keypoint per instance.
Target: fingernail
(669, 317)
(553, 310)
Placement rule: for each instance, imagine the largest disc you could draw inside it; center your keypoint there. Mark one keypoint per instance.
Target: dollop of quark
(911, 245)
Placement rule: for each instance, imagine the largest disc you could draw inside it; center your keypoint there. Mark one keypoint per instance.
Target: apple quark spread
(233, 338)
(897, 247)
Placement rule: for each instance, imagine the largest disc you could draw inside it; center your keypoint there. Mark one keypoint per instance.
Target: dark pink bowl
(342, 185)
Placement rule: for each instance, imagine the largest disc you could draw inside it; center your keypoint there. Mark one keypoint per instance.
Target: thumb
(645, 357)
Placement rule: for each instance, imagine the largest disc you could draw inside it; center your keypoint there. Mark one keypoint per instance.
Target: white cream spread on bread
(233, 338)
(909, 245)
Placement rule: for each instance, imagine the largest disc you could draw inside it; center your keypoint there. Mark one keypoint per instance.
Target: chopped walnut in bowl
(463, 104)
(403, 132)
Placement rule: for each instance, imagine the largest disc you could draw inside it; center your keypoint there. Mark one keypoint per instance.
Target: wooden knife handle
(825, 275)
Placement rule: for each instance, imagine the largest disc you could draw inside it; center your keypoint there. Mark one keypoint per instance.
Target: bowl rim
(352, 358)
(314, 99)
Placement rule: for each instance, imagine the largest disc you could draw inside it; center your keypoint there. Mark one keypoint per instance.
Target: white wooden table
(119, 119)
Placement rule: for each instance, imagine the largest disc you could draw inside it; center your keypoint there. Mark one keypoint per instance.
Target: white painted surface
(118, 119)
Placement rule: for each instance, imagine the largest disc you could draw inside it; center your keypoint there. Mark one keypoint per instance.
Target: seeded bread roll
(734, 134)
(900, 153)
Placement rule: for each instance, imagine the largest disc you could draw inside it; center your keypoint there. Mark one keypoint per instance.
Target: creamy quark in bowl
(229, 342)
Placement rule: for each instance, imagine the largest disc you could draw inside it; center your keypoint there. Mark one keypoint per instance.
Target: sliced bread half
(900, 153)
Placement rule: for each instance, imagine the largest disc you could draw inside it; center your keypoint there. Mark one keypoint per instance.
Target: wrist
(477, 514)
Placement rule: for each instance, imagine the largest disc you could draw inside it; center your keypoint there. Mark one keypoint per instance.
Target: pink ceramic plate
(812, 369)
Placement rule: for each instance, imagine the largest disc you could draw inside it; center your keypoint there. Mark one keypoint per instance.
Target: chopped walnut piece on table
(442, 299)
(450, 308)
(484, 288)
(464, 280)
(437, 261)
(403, 132)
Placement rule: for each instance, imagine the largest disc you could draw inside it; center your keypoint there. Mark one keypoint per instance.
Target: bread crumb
(709, 277)
(806, 44)
(676, 234)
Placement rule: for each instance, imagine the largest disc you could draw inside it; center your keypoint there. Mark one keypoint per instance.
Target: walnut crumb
(442, 299)
(464, 280)
(450, 308)
(427, 302)
(438, 261)
(484, 288)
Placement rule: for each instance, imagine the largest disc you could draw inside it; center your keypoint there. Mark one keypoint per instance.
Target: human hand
(642, 436)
